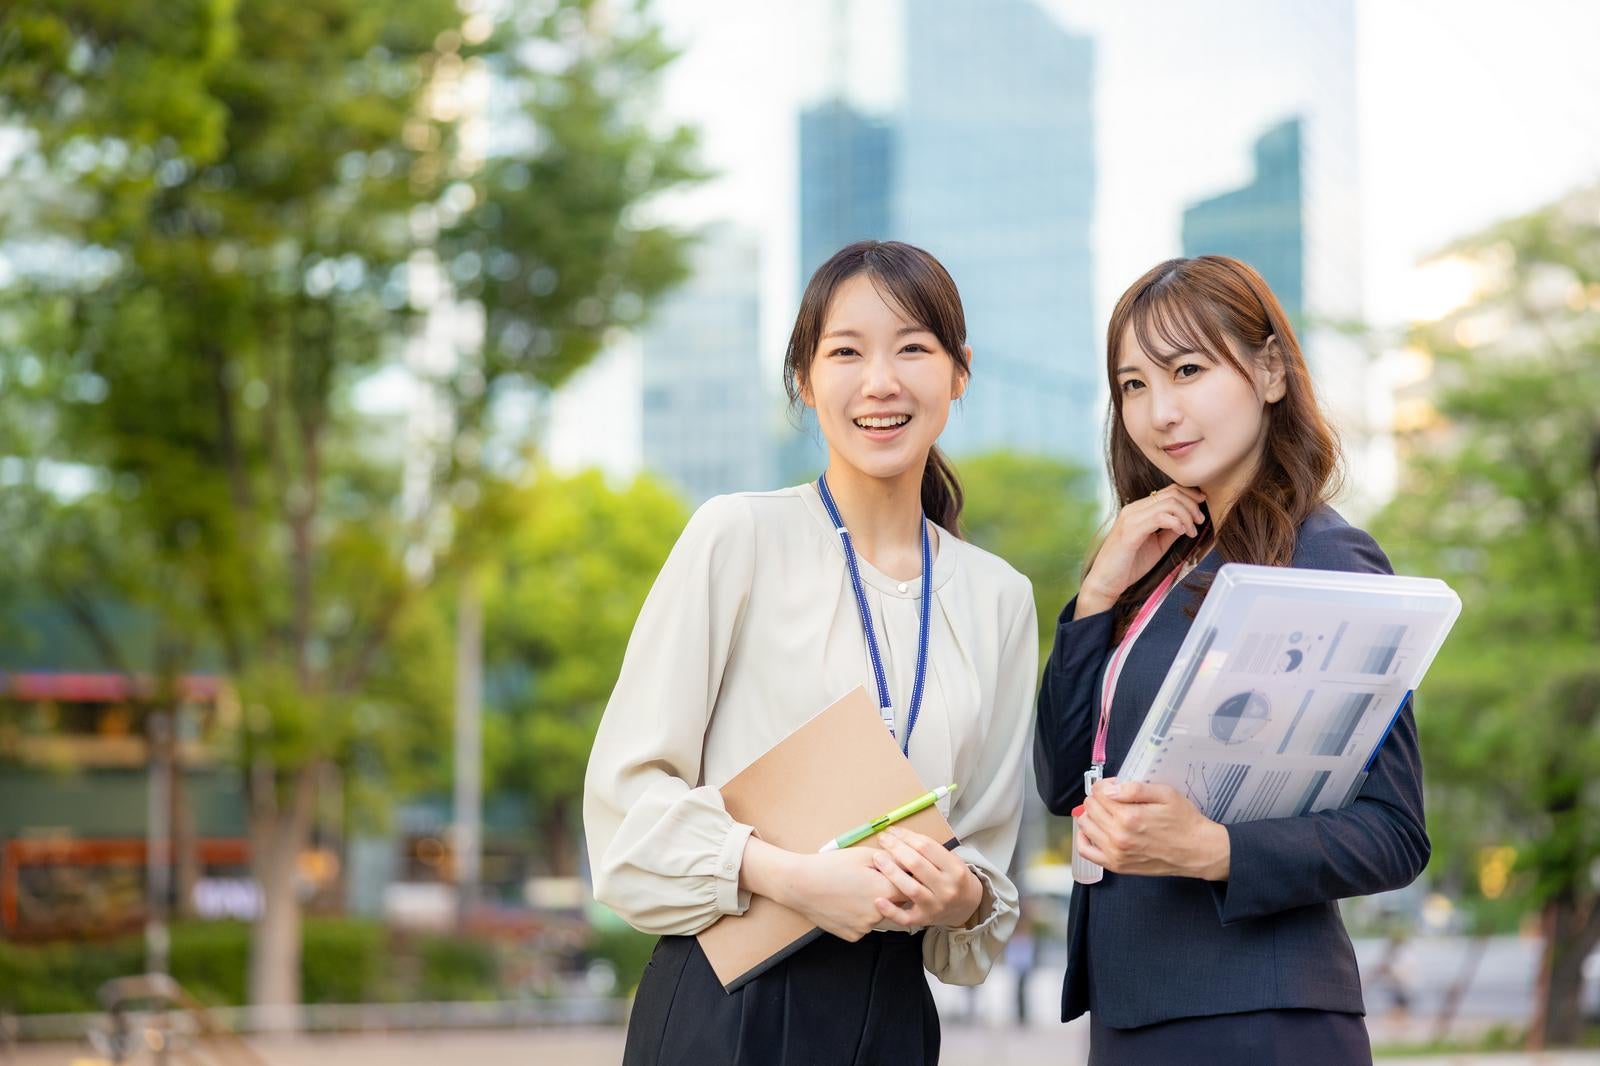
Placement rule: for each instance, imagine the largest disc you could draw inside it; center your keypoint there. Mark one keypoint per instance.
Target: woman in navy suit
(1209, 943)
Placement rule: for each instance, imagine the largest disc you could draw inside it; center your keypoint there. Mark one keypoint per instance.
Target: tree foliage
(1038, 514)
(231, 208)
(577, 561)
(1501, 497)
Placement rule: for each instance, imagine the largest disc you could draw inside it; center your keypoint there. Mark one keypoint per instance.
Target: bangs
(902, 298)
(923, 297)
(1169, 323)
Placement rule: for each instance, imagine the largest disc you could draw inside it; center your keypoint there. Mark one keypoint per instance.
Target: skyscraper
(846, 159)
(986, 159)
(994, 174)
(706, 409)
(845, 167)
(1293, 210)
(1263, 222)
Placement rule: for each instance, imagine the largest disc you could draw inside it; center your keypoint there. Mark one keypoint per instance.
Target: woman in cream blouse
(753, 626)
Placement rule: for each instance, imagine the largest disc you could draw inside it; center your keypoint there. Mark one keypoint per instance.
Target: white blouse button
(904, 587)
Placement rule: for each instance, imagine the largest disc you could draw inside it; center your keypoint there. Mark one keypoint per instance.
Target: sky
(1467, 112)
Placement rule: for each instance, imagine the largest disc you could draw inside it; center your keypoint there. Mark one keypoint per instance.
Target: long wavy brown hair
(916, 283)
(1224, 308)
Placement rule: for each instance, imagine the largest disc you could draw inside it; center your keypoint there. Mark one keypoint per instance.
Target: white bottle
(1083, 871)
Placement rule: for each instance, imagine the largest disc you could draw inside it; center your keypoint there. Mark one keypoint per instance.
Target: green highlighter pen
(866, 829)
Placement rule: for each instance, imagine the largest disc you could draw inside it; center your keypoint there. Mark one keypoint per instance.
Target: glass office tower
(986, 159)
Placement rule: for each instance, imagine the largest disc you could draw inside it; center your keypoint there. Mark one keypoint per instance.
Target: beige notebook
(838, 770)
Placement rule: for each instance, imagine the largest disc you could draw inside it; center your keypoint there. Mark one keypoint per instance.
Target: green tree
(1038, 514)
(242, 194)
(1502, 499)
(577, 561)
(1041, 516)
(553, 247)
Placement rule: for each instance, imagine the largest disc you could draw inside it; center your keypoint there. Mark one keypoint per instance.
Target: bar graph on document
(1286, 685)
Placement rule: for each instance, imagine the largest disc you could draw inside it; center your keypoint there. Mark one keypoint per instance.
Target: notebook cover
(838, 770)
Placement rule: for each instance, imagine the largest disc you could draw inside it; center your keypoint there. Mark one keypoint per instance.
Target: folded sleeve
(986, 816)
(1063, 739)
(664, 852)
(1379, 842)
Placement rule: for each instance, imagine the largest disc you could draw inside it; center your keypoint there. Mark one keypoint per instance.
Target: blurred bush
(455, 970)
(628, 950)
(211, 960)
(342, 962)
(62, 978)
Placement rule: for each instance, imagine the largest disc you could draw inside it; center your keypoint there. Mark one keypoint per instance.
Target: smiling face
(1195, 416)
(881, 384)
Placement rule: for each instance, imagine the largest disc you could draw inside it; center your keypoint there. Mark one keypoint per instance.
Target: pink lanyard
(1114, 669)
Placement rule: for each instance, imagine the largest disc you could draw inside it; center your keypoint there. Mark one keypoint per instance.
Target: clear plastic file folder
(1286, 686)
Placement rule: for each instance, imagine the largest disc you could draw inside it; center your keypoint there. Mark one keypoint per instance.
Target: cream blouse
(750, 630)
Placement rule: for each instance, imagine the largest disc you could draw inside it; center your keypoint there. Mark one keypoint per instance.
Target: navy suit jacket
(1151, 949)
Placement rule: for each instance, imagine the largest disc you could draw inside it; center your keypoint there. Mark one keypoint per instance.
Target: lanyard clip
(1094, 773)
(887, 714)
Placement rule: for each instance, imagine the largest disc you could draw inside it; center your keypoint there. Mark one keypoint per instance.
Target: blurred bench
(151, 1015)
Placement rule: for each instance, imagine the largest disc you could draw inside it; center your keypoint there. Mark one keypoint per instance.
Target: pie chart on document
(1239, 717)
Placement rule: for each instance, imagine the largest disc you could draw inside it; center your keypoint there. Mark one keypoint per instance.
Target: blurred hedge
(342, 961)
(455, 970)
(628, 950)
(62, 978)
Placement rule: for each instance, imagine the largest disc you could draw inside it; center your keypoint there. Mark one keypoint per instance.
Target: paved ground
(979, 1026)
(964, 1046)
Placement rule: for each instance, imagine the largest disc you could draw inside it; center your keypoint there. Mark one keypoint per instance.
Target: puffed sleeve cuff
(682, 872)
(989, 908)
(964, 956)
(730, 860)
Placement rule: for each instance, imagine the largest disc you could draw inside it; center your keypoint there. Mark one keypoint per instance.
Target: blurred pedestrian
(1022, 953)
(1207, 943)
(757, 621)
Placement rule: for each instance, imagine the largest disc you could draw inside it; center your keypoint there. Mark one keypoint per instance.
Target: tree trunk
(1572, 928)
(1451, 1003)
(275, 937)
(185, 842)
(561, 847)
(279, 832)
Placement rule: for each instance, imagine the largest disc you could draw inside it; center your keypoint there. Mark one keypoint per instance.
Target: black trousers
(831, 1003)
(1260, 1038)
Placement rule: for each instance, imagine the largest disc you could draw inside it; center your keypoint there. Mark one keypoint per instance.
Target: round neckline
(944, 563)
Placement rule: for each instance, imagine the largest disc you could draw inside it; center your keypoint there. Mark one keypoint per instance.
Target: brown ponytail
(941, 492)
(916, 283)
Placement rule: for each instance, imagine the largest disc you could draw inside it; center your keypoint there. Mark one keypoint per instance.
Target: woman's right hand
(834, 889)
(1140, 535)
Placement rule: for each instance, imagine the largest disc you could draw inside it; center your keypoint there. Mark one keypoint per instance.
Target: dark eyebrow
(901, 332)
(1164, 359)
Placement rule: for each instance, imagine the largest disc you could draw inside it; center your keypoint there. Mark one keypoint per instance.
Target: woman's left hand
(1131, 827)
(940, 888)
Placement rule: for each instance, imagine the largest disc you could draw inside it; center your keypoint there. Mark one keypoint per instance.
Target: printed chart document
(1286, 686)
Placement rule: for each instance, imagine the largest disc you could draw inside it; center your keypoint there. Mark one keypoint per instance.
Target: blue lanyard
(885, 706)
